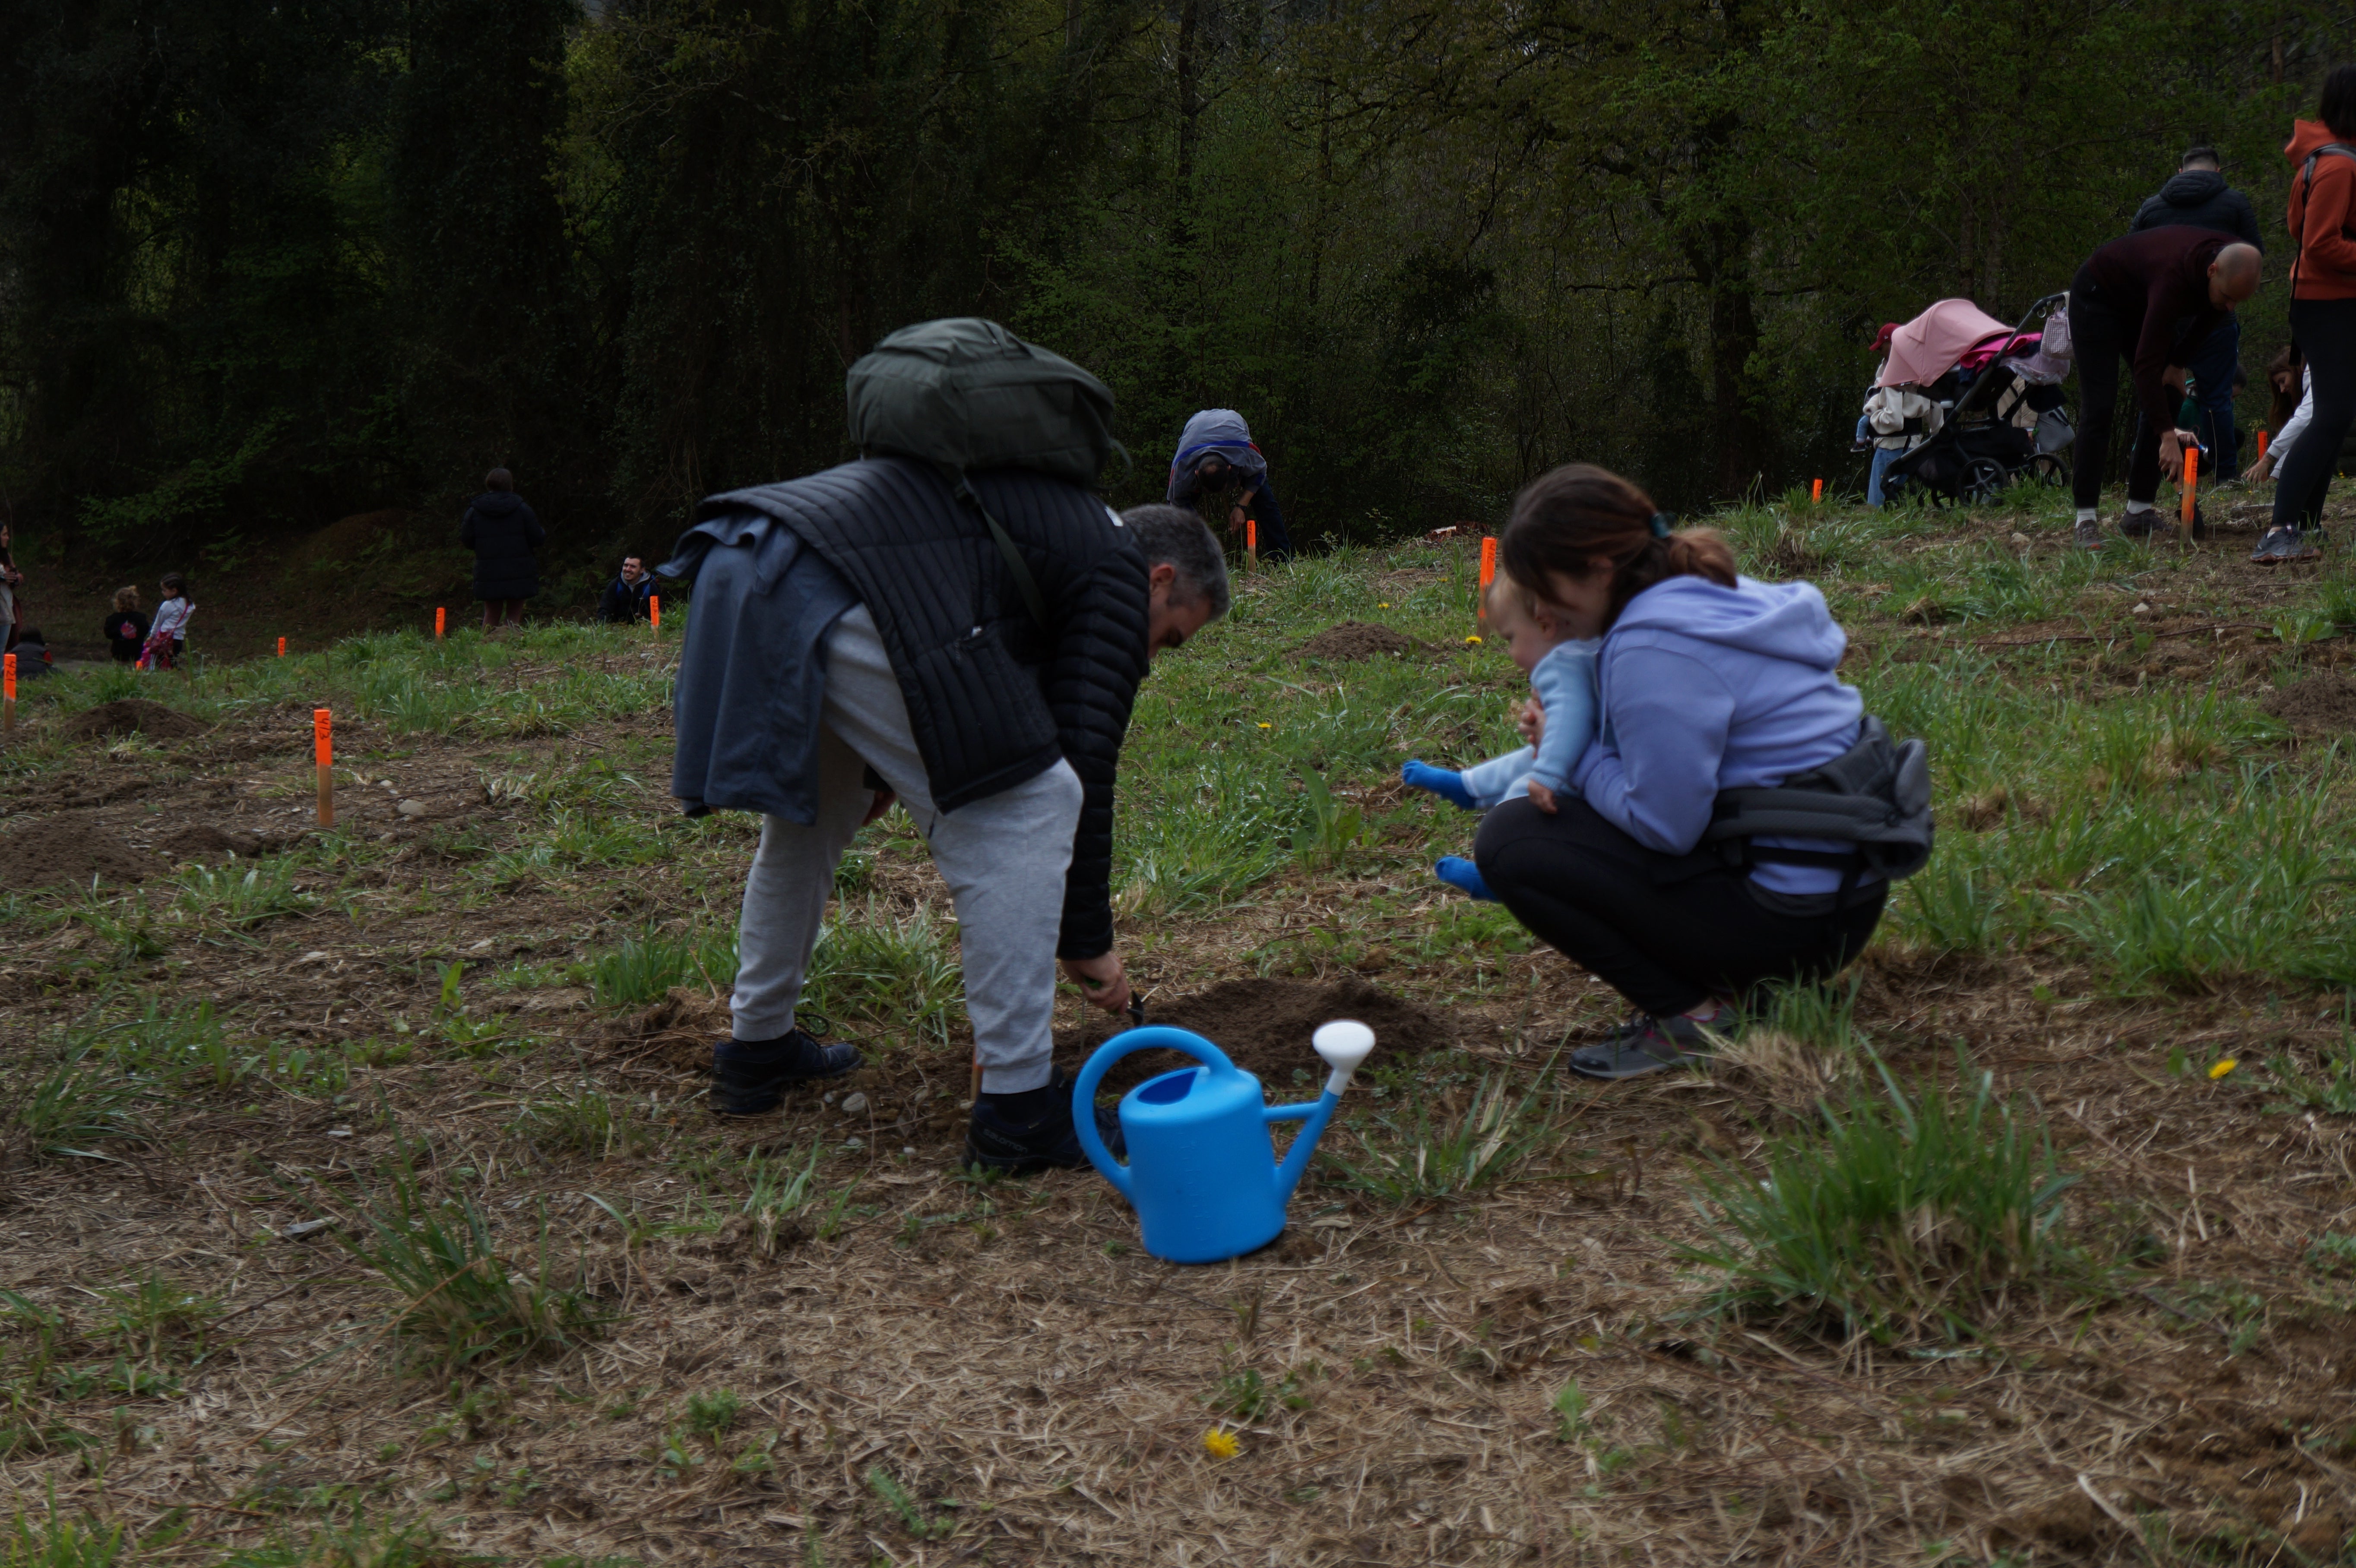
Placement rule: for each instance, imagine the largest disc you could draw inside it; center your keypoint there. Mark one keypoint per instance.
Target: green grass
(1417, 1155)
(1903, 1214)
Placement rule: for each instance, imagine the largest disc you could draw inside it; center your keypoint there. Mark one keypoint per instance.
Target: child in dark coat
(126, 628)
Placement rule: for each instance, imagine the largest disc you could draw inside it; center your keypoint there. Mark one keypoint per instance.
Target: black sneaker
(1645, 1044)
(2087, 535)
(2280, 545)
(2140, 524)
(1033, 1131)
(750, 1078)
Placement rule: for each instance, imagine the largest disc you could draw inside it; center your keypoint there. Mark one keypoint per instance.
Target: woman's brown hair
(1571, 516)
(2284, 404)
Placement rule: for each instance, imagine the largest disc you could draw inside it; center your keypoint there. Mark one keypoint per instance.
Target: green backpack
(964, 393)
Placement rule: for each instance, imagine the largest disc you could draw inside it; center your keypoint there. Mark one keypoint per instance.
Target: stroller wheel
(2046, 469)
(1985, 480)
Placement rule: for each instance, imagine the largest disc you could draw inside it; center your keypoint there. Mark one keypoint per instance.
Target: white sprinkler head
(1343, 1044)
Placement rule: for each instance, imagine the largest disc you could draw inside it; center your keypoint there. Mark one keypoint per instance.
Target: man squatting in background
(851, 644)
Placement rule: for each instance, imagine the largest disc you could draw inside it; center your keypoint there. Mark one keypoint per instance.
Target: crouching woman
(1723, 716)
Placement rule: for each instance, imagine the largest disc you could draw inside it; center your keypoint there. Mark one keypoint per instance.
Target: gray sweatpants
(1003, 858)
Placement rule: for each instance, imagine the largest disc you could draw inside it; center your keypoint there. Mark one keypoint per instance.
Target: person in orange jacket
(2322, 313)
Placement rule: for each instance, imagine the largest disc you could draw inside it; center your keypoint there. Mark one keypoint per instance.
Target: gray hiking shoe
(1646, 1044)
(2280, 545)
(2087, 535)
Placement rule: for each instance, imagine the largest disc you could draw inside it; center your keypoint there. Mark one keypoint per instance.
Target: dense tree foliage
(265, 262)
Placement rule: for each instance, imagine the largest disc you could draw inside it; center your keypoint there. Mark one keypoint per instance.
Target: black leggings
(2102, 335)
(2325, 331)
(1597, 897)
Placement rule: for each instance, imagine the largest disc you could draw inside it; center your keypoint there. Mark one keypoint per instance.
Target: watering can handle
(1154, 1036)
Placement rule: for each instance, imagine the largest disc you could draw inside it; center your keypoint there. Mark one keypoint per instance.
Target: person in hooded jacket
(1707, 681)
(2198, 198)
(1217, 458)
(2322, 218)
(502, 532)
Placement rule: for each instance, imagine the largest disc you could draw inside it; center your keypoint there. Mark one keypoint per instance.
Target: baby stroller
(1978, 403)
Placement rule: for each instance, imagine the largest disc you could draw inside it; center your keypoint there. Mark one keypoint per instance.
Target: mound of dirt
(1360, 640)
(2318, 705)
(203, 841)
(59, 850)
(132, 716)
(1264, 1026)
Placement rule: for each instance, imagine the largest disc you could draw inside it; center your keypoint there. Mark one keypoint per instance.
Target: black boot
(1033, 1131)
(749, 1078)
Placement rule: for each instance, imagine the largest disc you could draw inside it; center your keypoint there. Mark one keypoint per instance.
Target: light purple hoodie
(1705, 689)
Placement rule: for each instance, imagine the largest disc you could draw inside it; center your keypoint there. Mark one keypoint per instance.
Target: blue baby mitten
(1447, 785)
(1461, 874)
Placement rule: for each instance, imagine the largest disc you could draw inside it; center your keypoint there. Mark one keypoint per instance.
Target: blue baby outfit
(1564, 684)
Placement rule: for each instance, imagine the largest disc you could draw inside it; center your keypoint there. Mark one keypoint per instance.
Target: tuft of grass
(644, 968)
(1905, 1214)
(884, 969)
(589, 1123)
(1418, 1157)
(144, 1317)
(62, 1541)
(912, 1518)
(781, 1194)
(462, 1299)
(710, 1414)
(76, 1104)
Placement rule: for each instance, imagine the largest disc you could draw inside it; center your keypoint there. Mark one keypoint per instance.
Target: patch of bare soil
(132, 716)
(2318, 705)
(1264, 1026)
(203, 841)
(1360, 640)
(62, 850)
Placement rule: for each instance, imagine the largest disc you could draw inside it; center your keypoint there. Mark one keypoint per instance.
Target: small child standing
(168, 639)
(1562, 668)
(127, 628)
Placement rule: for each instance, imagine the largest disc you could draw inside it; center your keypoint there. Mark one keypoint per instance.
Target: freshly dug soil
(1264, 1026)
(61, 849)
(203, 841)
(132, 716)
(1359, 640)
(2318, 705)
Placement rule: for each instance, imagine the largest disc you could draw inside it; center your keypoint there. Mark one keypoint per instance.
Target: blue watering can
(1202, 1171)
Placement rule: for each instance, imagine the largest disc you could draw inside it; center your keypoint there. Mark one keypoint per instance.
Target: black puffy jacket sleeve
(1098, 660)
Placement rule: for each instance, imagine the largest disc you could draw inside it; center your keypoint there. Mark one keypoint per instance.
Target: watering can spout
(1343, 1044)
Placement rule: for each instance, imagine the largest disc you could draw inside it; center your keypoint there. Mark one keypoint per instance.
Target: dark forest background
(267, 263)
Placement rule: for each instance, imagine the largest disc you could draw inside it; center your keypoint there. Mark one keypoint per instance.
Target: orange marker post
(2262, 440)
(1816, 494)
(7, 692)
(2191, 484)
(1251, 542)
(654, 611)
(438, 614)
(1488, 576)
(323, 745)
(282, 647)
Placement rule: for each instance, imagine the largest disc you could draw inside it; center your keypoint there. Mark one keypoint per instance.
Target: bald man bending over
(2151, 298)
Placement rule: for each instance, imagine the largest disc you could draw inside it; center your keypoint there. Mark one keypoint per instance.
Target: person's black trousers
(1640, 921)
(2101, 335)
(2325, 331)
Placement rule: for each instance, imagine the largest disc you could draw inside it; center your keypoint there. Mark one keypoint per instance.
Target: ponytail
(1569, 516)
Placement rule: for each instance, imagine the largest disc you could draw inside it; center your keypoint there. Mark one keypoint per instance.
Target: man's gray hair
(1177, 535)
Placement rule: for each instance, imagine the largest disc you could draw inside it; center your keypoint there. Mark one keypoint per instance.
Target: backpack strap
(1024, 583)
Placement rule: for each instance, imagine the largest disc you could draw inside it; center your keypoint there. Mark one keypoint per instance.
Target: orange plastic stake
(2191, 482)
(1816, 494)
(282, 647)
(653, 610)
(438, 612)
(1488, 576)
(2262, 441)
(323, 746)
(7, 692)
(1251, 540)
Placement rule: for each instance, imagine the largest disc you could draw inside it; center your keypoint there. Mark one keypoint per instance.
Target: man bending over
(857, 638)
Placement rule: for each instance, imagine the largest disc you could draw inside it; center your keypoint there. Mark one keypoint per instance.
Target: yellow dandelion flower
(1384, 606)
(1220, 1445)
(1268, 726)
(2222, 1067)
(1472, 641)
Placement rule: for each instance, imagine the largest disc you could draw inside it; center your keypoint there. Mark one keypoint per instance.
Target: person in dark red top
(2322, 314)
(2150, 298)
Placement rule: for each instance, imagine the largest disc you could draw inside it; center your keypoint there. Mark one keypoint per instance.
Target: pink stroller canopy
(1927, 348)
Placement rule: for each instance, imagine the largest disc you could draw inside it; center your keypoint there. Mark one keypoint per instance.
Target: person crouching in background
(126, 628)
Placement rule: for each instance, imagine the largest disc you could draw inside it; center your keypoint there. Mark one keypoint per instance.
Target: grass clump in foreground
(1904, 1216)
